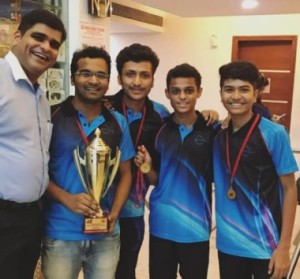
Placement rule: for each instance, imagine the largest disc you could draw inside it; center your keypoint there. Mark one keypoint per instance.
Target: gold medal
(145, 167)
(231, 194)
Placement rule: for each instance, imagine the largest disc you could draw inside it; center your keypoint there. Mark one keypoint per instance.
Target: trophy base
(96, 225)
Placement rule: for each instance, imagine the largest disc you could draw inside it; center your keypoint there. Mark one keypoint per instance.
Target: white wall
(78, 12)
(188, 40)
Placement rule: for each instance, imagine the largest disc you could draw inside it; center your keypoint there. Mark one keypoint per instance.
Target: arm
(211, 116)
(81, 203)
(277, 118)
(107, 102)
(225, 122)
(144, 156)
(280, 260)
(122, 192)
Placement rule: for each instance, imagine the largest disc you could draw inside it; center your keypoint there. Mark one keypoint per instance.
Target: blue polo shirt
(154, 118)
(180, 205)
(60, 222)
(250, 225)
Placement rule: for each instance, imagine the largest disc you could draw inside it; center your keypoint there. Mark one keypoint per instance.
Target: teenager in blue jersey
(66, 247)
(254, 183)
(180, 203)
(136, 65)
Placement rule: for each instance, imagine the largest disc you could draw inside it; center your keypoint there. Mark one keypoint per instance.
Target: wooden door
(275, 58)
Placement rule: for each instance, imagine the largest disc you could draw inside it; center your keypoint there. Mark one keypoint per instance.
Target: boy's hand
(211, 116)
(142, 157)
(107, 103)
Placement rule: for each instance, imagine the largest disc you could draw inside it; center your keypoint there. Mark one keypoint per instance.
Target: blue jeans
(64, 259)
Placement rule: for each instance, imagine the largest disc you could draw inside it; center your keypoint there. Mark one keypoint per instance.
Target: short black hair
(137, 53)
(262, 82)
(184, 70)
(90, 52)
(243, 70)
(45, 17)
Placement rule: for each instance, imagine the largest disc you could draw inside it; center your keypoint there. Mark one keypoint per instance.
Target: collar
(244, 129)
(69, 110)
(200, 122)
(118, 99)
(16, 67)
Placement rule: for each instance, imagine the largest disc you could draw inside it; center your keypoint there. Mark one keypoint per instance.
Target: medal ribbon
(237, 161)
(83, 135)
(139, 182)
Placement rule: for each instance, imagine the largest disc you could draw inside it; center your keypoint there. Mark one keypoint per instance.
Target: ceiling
(191, 8)
(183, 8)
(204, 8)
(199, 8)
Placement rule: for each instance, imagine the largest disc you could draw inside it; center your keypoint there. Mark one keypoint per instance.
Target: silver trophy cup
(97, 170)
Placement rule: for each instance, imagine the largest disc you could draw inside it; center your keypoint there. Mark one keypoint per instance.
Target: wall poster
(92, 34)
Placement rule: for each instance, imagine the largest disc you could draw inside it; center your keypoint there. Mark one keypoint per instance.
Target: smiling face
(136, 80)
(37, 49)
(183, 94)
(238, 96)
(90, 88)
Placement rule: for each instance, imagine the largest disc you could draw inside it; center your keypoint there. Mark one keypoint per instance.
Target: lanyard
(83, 135)
(231, 193)
(141, 124)
(140, 181)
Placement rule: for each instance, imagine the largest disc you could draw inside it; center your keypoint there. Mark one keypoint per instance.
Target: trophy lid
(98, 143)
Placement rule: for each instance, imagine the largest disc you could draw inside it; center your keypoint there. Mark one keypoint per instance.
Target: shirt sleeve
(126, 146)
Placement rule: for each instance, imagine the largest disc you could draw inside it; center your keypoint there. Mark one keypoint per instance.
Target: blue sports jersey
(156, 114)
(60, 222)
(180, 205)
(250, 225)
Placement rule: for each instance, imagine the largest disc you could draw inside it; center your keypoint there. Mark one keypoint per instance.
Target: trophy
(97, 170)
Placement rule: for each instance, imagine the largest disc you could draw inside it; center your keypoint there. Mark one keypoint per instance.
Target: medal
(231, 194)
(145, 167)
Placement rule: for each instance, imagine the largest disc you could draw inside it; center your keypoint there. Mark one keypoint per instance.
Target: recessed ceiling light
(249, 4)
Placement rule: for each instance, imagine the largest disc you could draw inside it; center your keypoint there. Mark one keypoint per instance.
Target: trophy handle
(116, 162)
(78, 162)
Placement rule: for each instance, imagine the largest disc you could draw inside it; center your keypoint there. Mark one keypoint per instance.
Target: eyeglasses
(89, 74)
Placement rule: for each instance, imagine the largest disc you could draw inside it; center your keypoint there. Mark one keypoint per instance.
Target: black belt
(22, 205)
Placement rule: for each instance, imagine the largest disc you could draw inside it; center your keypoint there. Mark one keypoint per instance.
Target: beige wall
(78, 12)
(189, 40)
